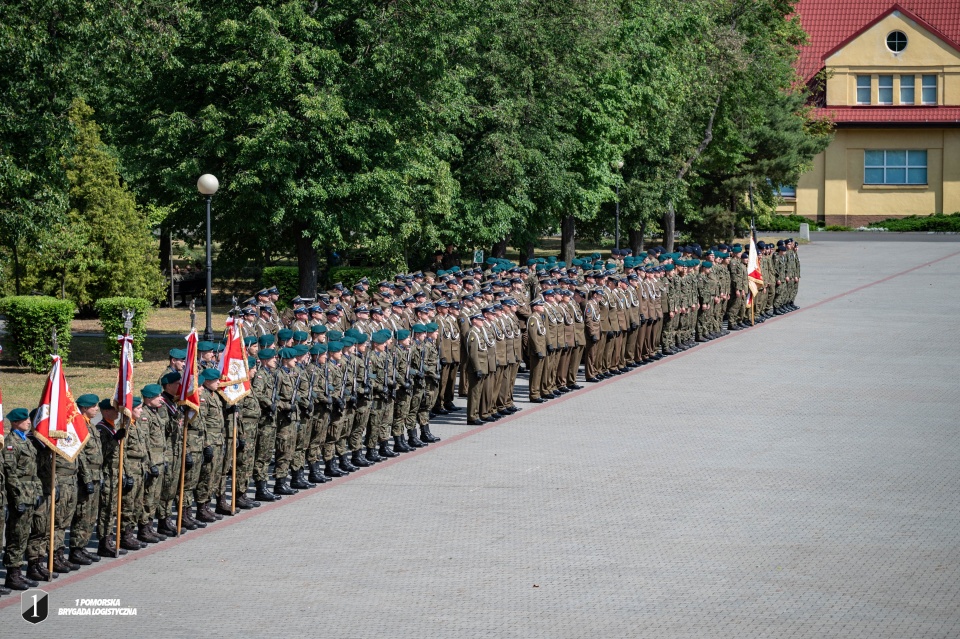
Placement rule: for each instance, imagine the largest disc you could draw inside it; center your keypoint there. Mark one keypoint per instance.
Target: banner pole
(183, 476)
(233, 481)
(53, 511)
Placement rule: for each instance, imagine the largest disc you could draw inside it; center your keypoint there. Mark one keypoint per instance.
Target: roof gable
(831, 24)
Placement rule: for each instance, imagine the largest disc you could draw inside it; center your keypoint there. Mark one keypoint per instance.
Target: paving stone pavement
(799, 479)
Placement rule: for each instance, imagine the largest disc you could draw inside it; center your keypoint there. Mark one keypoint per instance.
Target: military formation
(353, 376)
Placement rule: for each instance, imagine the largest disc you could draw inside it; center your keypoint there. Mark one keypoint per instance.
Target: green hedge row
(938, 223)
(350, 275)
(286, 279)
(110, 311)
(30, 320)
(783, 223)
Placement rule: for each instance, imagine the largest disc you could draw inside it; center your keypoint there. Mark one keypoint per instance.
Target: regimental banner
(234, 376)
(1, 414)
(58, 422)
(189, 388)
(123, 393)
(754, 275)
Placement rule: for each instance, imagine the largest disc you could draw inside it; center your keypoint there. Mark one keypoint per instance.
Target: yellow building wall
(834, 192)
(868, 55)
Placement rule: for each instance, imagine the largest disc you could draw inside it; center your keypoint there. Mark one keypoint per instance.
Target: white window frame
(908, 83)
(890, 166)
(928, 82)
(882, 86)
(868, 81)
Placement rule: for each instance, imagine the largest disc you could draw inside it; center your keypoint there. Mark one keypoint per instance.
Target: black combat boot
(400, 444)
(332, 469)
(413, 440)
(283, 487)
(77, 556)
(299, 482)
(386, 452)
(107, 547)
(189, 521)
(316, 475)
(145, 535)
(37, 570)
(16, 581)
(263, 492)
(60, 563)
(167, 527)
(427, 436)
(345, 464)
(359, 460)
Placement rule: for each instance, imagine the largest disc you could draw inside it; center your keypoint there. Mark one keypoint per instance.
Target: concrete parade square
(797, 479)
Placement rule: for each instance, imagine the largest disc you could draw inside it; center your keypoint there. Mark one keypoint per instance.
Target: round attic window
(897, 41)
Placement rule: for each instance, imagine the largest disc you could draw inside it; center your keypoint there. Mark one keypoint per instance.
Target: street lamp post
(618, 165)
(208, 185)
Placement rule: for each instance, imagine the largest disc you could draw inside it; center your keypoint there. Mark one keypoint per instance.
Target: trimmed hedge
(786, 223)
(286, 279)
(937, 223)
(109, 310)
(30, 319)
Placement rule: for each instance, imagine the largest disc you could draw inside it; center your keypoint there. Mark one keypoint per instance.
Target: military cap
(376, 310)
(419, 294)
(361, 308)
(334, 347)
(300, 309)
(105, 403)
(250, 301)
(209, 374)
(249, 310)
(89, 400)
(18, 415)
(251, 362)
(170, 378)
(267, 353)
(266, 306)
(205, 346)
(318, 329)
(137, 401)
(288, 353)
(266, 340)
(398, 303)
(249, 340)
(263, 292)
(153, 390)
(178, 353)
(273, 290)
(537, 302)
(300, 336)
(333, 310)
(477, 316)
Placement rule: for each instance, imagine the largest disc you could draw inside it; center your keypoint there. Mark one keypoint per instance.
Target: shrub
(30, 320)
(286, 279)
(110, 311)
(937, 223)
(784, 223)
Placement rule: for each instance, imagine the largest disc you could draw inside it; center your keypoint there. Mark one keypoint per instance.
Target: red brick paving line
(132, 556)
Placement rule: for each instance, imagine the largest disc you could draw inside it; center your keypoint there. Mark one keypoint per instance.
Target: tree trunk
(307, 263)
(528, 253)
(166, 247)
(636, 238)
(669, 226)
(568, 244)
(16, 268)
(499, 249)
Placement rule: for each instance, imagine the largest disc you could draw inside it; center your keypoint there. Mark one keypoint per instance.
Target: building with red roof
(888, 75)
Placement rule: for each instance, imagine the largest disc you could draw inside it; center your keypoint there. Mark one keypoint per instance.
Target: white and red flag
(123, 393)
(234, 376)
(189, 388)
(58, 422)
(1, 413)
(754, 274)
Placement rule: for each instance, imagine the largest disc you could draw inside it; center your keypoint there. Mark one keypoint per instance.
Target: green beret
(171, 378)
(18, 415)
(706, 264)
(251, 362)
(205, 346)
(288, 353)
(334, 336)
(348, 341)
(267, 353)
(419, 328)
(353, 332)
(318, 329)
(300, 336)
(737, 248)
(302, 349)
(361, 338)
(151, 390)
(284, 334)
(209, 374)
(249, 340)
(137, 402)
(318, 349)
(219, 346)
(402, 334)
(266, 340)
(334, 347)
(178, 353)
(87, 401)
(380, 338)
(668, 267)
(105, 404)
(432, 327)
